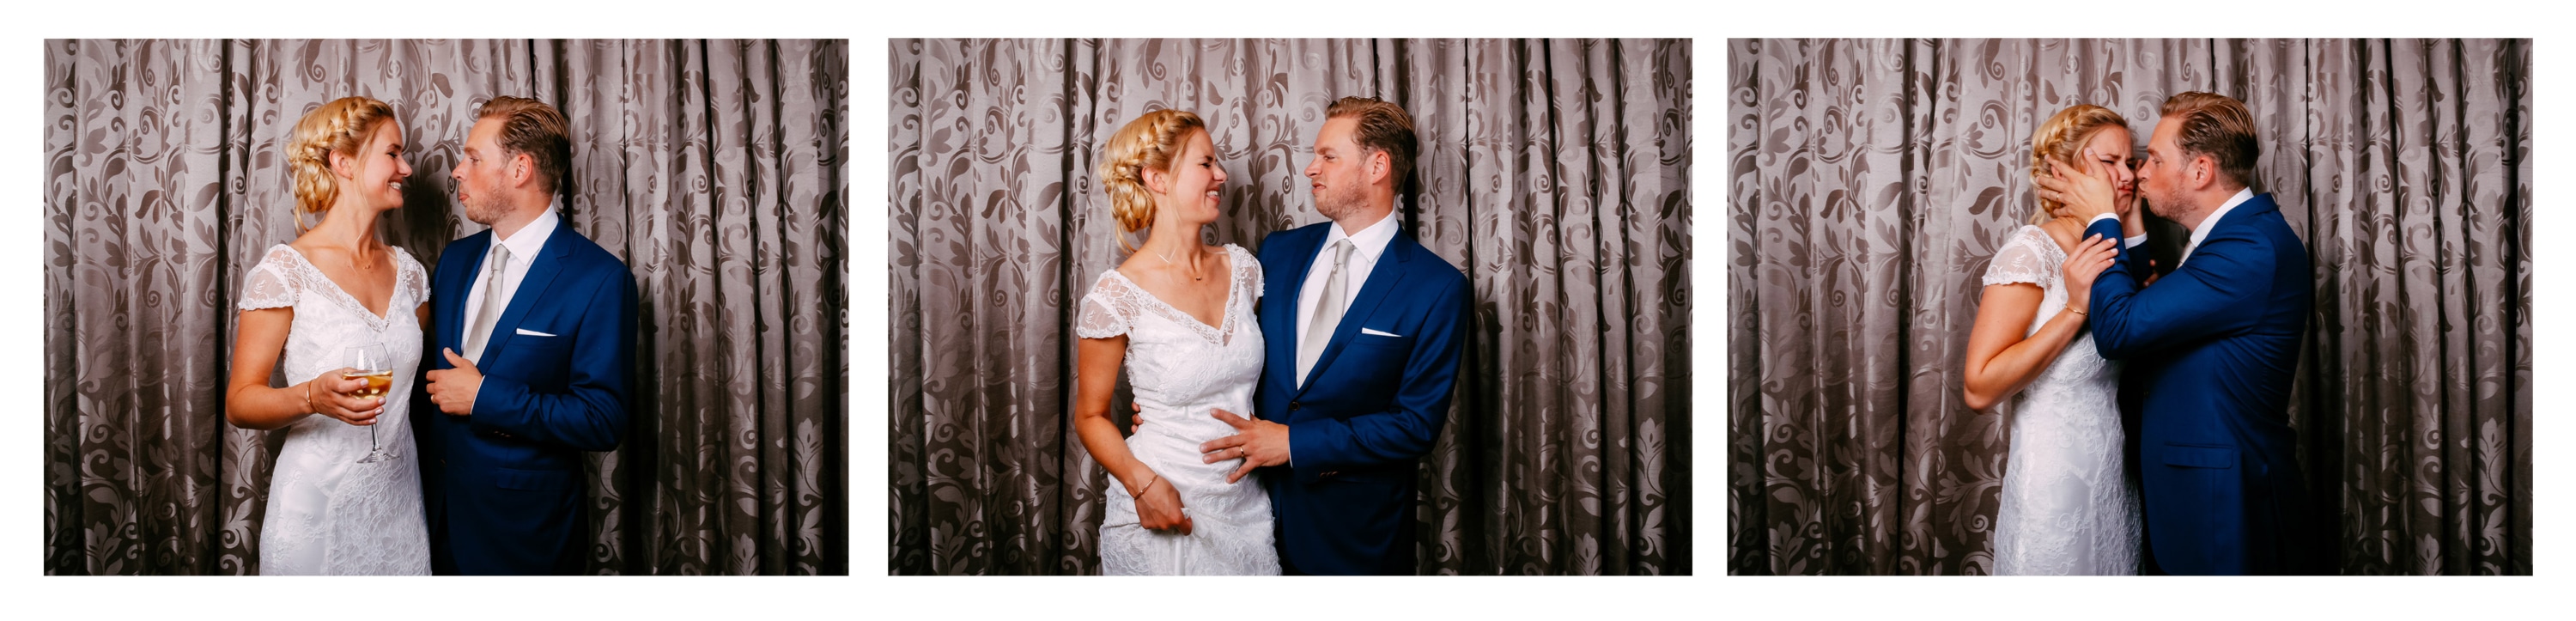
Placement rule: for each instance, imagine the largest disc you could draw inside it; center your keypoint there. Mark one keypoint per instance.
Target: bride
(1178, 313)
(2068, 507)
(343, 308)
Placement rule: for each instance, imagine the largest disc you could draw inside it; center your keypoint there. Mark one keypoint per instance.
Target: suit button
(1292, 406)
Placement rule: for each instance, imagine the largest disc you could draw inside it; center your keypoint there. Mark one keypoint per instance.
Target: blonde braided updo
(342, 126)
(2061, 137)
(1152, 141)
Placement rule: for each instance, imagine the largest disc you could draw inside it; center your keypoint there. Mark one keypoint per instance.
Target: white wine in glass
(370, 363)
(377, 382)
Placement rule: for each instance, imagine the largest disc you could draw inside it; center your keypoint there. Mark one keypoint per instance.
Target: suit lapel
(541, 273)
(451, 323)
(1282, 320)
(1383, 280)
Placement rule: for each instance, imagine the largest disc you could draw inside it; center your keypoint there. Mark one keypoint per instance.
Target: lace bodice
(2067, 506)
(1181, 369)
(328, 514)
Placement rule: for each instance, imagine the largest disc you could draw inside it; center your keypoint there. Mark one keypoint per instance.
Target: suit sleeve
(591, 415)
(2213, 293)
(1421, 403)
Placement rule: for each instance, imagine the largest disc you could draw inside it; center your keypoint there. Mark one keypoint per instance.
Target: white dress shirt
(2125, 242)
(1366, 246)
(2196, 234)
(524, 246)
(2202, 232)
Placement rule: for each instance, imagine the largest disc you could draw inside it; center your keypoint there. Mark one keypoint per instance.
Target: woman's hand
(2084, 265)
(1159, 509)
(2087, 190)
(336, 396)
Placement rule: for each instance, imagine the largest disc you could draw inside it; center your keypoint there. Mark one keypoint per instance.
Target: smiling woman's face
(382, 167)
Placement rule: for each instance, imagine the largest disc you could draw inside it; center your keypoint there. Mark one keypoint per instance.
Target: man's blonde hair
(531, 127)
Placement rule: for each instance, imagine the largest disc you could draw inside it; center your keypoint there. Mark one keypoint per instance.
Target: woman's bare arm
(2000, 361)
(260, 335)
(1096, 361)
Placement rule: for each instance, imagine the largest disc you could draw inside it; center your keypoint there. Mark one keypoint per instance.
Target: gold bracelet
(1149, 486)
(2079, 312)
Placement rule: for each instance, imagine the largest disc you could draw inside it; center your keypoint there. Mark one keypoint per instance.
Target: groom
(2210, 350)
(535, 329)
(1363, 326)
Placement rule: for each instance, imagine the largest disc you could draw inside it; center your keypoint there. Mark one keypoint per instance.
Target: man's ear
(522, 168)
(1381, 166)
(2203, 172)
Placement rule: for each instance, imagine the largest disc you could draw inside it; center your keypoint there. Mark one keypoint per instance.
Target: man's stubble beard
(483, 210)
(1338, 201)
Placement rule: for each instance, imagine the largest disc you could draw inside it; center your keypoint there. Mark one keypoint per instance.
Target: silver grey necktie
(490, 312)
(1328, 313)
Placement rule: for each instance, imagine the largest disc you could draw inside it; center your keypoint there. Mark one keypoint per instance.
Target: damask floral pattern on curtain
(1555, 174)
(714, 169)
(1872, 180)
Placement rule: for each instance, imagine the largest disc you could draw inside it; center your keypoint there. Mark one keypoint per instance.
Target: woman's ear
(343, 165)
(1156, 181)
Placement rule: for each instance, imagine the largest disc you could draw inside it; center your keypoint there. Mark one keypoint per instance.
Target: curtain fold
(1872, 179)
(714, 169)
(1553, 173)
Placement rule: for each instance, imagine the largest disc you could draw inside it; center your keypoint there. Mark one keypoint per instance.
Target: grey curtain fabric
(1553, 173)
(1872, 180)
(715, 169)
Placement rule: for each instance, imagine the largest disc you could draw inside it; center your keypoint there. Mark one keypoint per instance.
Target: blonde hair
(2220, 127)
(2061, 137)
(1384, 127)
(536, 129)
(342, 126)
(1151, 142)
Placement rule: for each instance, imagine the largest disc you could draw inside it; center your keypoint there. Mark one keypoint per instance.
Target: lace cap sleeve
(414, 279)
(1104, 312)
(2023, 259)
(1245, 262)
(271, 283)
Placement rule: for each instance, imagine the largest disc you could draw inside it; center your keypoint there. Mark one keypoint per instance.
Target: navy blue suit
(1372, 406)
(504, 485)
(2209, 354)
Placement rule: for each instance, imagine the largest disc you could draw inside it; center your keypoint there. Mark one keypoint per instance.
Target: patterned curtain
(1873, 179)
(715, 169)
(1555, 174)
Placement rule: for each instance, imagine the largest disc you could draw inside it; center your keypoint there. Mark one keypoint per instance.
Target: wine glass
(369, 362)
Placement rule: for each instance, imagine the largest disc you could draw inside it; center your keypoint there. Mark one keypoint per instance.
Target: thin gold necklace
(1167, 260)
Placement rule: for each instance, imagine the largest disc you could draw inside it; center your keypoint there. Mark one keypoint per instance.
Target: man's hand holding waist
(1257, 442)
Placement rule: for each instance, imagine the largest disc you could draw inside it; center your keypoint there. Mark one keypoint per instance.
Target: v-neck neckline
(374, 318)
(1225, 312)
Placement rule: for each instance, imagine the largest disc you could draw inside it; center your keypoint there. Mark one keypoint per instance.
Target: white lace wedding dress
(328, 514)
(1180, 369)
(2068, 507)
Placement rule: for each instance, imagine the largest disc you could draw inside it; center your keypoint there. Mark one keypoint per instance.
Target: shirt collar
(2211, 222)
(1370, 241)
(531, 238)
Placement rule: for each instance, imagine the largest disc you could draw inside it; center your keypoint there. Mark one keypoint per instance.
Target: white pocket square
(532, 332)
(1369, 331)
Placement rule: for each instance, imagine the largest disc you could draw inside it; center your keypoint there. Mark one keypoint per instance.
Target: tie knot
(500, 257)
(1342, 250)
